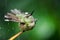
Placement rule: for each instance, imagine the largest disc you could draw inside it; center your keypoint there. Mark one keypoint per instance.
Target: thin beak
(32, 12)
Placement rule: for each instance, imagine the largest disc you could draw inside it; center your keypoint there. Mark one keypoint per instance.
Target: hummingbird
(25, 19)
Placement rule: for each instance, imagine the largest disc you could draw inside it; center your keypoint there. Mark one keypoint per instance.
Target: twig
(16, 35)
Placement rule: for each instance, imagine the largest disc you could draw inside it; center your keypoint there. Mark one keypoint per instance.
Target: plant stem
(15, 36)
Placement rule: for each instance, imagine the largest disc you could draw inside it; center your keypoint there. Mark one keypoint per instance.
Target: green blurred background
(47, 13)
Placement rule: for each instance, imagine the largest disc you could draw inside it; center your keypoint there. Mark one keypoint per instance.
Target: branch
(15, 36)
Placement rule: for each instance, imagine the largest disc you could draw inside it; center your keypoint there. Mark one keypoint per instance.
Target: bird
(25, 19)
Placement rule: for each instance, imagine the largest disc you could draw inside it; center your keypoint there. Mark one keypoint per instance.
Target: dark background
(47, 13)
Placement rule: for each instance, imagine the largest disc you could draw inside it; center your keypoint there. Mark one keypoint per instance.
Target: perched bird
(26, 21)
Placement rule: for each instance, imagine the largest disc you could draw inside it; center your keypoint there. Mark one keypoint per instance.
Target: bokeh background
(47, 13)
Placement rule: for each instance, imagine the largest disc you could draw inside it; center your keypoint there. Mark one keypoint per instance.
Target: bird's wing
(12, 16)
